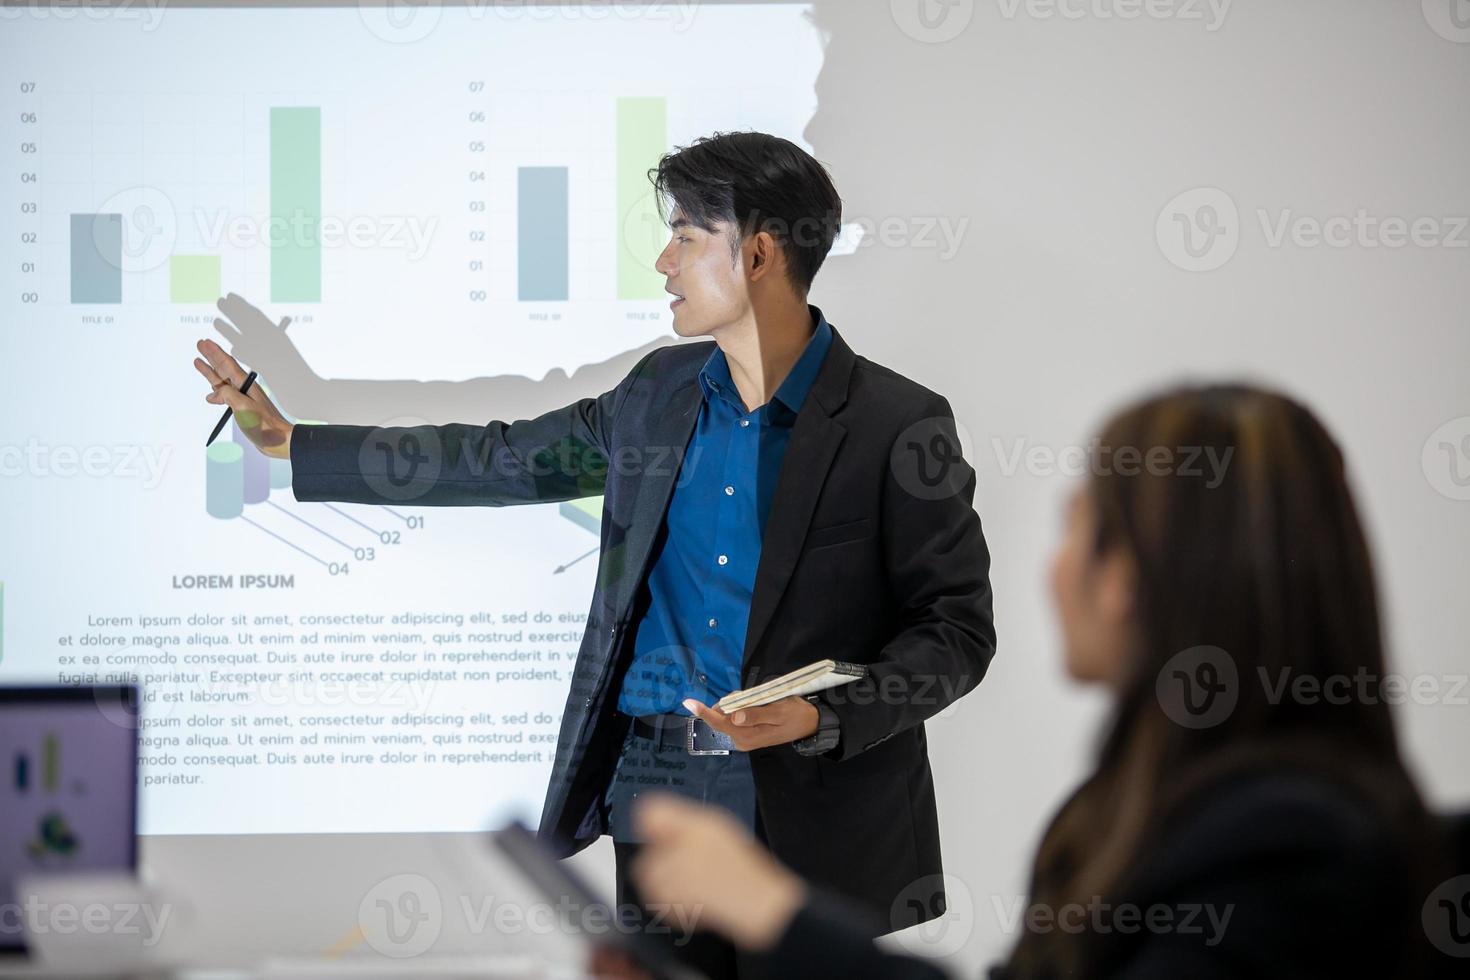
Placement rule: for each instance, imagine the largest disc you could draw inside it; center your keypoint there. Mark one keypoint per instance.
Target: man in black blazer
(771, 498)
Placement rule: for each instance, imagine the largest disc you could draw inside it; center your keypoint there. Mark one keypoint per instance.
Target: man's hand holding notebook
(773, 712)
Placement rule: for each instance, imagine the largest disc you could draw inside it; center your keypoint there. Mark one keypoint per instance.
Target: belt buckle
(689, 740)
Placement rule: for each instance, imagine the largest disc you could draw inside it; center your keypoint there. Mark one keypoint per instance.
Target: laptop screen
(68, 787)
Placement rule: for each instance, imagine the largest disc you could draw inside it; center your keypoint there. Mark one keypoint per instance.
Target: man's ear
(761, 253)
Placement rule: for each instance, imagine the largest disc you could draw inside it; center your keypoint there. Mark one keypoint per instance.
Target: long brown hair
(1249, 558)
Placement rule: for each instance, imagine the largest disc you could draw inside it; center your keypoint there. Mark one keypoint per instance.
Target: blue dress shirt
(691, 639)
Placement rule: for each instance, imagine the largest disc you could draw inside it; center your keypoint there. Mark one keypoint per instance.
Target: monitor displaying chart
(449, 208)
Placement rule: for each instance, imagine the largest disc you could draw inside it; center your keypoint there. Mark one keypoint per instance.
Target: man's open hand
(776, 723)
(257, 417)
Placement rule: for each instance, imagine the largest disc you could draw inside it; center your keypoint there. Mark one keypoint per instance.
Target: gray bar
(541, 233)
(96, 258)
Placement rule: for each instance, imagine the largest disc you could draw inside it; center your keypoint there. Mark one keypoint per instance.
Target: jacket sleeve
(939, 572)
(560, 455)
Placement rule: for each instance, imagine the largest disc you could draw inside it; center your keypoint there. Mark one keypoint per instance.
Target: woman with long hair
(1249, 813)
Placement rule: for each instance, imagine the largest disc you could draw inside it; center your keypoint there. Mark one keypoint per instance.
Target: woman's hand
(701, 862)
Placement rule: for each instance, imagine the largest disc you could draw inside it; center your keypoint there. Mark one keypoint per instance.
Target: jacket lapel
(815, 438)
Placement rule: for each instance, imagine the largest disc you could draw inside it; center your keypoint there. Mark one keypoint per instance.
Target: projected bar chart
(296, 204)
(193, 278)
(642, 133)
(542, 230)
(96, 258)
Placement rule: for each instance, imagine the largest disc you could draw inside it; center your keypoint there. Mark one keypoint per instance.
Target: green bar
(50, 763)
(193, 278)
(642, 139)
(296, 204)
(585, 512)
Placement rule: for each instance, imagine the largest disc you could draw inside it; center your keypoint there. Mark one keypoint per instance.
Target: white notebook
(801, 682)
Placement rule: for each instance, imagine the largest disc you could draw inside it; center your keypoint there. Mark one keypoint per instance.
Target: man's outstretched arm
(559, 455)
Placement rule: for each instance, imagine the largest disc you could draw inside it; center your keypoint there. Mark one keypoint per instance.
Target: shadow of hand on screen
(265, 346)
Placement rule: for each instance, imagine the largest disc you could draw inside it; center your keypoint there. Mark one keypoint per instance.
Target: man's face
(707, 283)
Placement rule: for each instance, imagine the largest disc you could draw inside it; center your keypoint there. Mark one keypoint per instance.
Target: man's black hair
(756, 183)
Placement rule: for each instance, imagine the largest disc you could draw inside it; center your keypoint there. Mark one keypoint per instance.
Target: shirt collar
(714, 377)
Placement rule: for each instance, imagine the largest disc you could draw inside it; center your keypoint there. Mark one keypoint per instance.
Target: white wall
(1055, 143)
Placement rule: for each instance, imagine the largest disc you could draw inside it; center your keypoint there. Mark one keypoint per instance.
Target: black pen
(244, 390)
(219, 426)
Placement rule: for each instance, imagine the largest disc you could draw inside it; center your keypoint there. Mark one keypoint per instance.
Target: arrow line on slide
(395, 513)
(562, 568)
(308, 524)
(284, 541)
(350, 518)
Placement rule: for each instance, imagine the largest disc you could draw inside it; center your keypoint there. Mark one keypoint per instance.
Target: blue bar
(22, 773)
(541, 233)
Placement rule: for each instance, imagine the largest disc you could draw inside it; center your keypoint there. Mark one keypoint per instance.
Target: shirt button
(713, 622)
(744, 423)
(729, 491)
(724, 559)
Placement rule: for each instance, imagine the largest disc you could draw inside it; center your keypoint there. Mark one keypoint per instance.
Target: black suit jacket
(872, 553)
(1305, 878)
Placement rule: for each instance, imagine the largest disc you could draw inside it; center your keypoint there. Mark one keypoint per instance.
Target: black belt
(691, 734)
